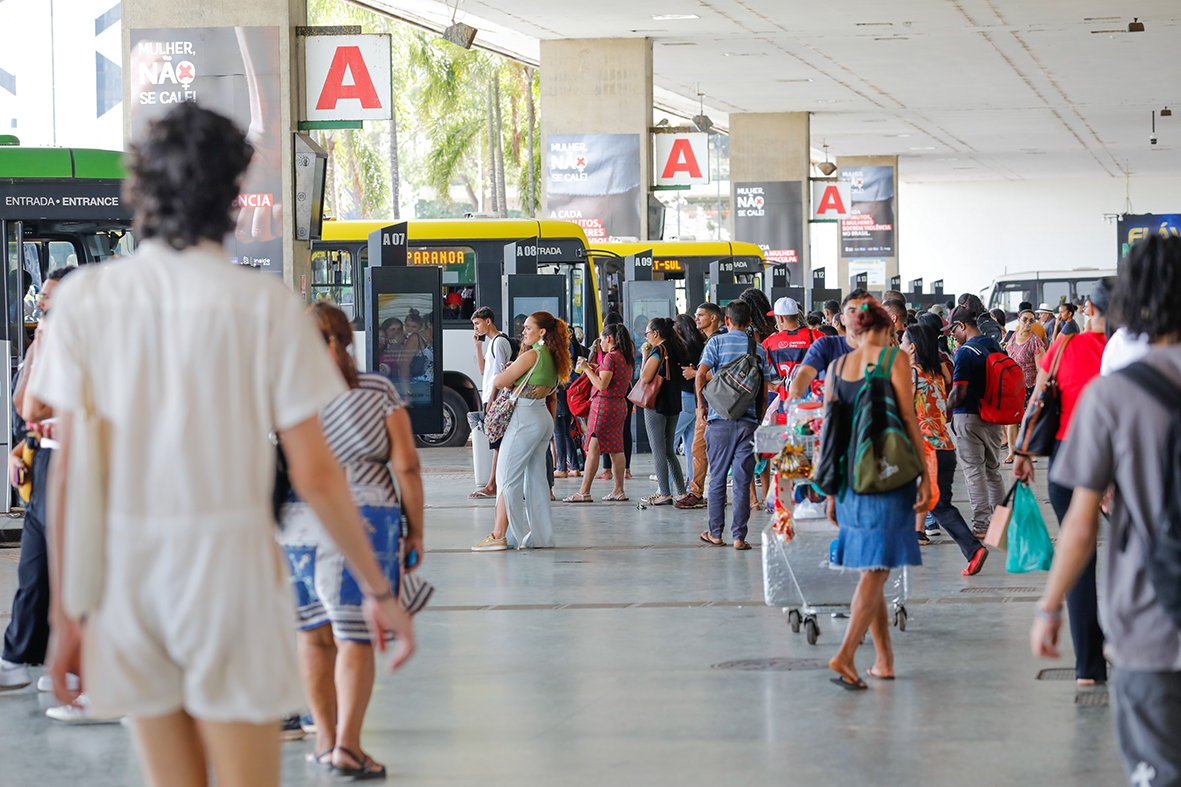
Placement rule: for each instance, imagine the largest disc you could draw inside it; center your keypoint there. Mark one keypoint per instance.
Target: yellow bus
(472, 254)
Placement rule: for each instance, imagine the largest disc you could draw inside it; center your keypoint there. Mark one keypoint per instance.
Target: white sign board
(831, 199)
(348, 78)
(874, 270)
(680, 159)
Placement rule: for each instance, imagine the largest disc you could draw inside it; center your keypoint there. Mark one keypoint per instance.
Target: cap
(961, 314)
(785, 307)
(1045, 307)
(938, 309)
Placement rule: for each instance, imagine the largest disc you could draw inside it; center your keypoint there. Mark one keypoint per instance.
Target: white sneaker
(45, 682)
(13, 676)
(78, 712)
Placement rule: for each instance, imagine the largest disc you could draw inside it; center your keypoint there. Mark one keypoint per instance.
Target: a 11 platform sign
(347, 77)
(680, 159)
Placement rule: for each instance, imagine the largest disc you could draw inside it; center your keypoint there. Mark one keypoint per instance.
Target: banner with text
(593, 180)
(771, 215)
(869, 231)
(1133, 227)
(234, 71)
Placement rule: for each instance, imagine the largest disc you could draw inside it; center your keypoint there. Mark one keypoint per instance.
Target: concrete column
(599, 86)
(885, 210)
(769, 147)
(286, 15)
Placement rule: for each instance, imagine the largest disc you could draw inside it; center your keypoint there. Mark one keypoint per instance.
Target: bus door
(696, 272)
(609, 270)
(642, 301)
(412, 298)
(566, 257)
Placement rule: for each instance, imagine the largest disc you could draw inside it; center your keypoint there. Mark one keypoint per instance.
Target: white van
(1050, 287)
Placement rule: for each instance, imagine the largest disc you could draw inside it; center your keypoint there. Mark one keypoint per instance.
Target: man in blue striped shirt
(729, 444)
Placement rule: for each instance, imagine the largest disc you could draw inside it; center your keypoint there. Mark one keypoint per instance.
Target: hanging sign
(680, 159)
(348, 78)
(830, 199)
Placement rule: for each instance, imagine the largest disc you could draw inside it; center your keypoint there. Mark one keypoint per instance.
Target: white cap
(1045, 307)
(785, 307)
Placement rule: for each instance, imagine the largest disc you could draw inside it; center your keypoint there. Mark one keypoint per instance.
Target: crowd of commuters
(327, 453)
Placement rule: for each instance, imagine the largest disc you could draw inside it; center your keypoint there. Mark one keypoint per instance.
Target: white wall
(968, 232)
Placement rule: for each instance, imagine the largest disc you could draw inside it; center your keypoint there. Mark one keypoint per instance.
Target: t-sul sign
(680, 159)
(348, 77)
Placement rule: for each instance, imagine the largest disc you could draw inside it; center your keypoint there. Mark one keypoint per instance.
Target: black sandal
(323, 759)
(367, 768)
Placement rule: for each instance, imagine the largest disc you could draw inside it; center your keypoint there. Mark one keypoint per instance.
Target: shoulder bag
(500, 412)
(1039, 427)
(645, 394)
(829, 471)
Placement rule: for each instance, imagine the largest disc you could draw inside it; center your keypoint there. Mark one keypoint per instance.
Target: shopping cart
(799, 578)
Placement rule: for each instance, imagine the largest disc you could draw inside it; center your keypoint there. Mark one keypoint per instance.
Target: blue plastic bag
(1029, 542)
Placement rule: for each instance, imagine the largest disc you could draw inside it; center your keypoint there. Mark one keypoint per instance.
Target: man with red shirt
(787, 348)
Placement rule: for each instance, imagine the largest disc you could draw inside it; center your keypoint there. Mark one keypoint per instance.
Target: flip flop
(848, 685)
(742, 546)
(707, 538)
(871, 673)
(365, 770)
(612, 498)
(480, 494)
(323, 759)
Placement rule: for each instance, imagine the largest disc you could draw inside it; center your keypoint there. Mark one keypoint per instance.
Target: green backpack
(881, 456)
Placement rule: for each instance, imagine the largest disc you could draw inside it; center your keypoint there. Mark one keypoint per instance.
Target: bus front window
(459, 277)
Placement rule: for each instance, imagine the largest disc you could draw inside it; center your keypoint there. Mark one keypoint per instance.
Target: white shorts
(195, 617)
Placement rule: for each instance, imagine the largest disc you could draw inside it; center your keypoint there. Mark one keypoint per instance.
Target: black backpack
(1164, 548)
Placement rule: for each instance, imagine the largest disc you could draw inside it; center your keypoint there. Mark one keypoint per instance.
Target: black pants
(1082, 603)
(947, 515)
(627, 441)
(27, 636)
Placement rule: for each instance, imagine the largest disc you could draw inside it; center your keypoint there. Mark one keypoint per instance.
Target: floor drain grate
(1091, 699)
(1002, 591)
(773, 665)
(1056, 673)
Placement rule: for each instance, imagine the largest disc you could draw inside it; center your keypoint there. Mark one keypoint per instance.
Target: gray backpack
(736, 385)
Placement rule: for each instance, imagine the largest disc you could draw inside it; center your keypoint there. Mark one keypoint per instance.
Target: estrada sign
(348, 77)
(831, 199)
(680, 159)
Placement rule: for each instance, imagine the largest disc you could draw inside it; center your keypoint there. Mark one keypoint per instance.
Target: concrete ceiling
(960, 89)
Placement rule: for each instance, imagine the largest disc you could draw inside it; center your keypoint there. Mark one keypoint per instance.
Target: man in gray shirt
(1117, 417)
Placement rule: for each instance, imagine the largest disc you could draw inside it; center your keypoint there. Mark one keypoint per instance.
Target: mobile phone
(411, 559)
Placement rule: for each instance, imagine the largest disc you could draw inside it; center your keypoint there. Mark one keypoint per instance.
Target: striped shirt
(355, 428)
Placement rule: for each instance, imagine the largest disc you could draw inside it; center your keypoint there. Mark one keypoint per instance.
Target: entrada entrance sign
(348, 77)
(681, 159)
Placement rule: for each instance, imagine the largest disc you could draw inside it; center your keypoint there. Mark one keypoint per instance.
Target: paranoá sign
(680, 159)
(348, 77)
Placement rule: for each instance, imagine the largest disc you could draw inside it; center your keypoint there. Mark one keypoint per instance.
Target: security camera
(1152, 139)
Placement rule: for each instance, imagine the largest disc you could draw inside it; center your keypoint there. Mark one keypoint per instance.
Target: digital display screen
(458, 262)
(405, 344)
(672, 265)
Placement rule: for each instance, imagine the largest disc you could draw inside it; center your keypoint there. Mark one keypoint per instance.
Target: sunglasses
(1028, 319)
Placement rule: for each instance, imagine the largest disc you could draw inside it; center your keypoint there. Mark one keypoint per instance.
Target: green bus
(58, 207)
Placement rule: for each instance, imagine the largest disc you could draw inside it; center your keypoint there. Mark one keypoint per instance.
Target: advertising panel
(1137, 226)
(234, 71)
(771, 215)
(593, 180)
(869, 231)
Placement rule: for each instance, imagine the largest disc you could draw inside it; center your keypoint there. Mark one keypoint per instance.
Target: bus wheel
(455, 428)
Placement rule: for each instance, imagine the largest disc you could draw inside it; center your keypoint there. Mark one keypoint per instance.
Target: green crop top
(545, 374)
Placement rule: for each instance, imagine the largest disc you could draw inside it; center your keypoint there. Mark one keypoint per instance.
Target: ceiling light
(1135, 26)
(826, 167)
(800, 80)
(742, 54)
(457, 32)
(673, 17)
(1166, 113)
(924, 147)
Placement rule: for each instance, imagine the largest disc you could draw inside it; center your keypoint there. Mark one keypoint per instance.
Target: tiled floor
(605, 662)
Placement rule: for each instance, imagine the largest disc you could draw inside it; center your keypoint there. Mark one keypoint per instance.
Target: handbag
(500, 412)
(1030, 548)
(998, 527)
(1039, 427)
(578, 396)
(645, 394)
(828, 473)
(85, 507)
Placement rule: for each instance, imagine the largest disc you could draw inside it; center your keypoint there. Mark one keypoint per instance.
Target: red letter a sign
(831, 202)
(681, 159)
(348, 59)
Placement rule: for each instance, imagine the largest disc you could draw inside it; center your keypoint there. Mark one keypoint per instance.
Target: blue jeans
(567, 457)
(685, 424)
(729, 445)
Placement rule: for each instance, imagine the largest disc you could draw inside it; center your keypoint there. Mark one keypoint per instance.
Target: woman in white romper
(189, 362)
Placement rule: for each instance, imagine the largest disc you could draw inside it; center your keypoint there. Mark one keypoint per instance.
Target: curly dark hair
(1147, 297)
(183, 176)
(759, 305)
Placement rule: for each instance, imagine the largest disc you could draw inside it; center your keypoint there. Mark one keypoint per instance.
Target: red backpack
(1004, 390)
